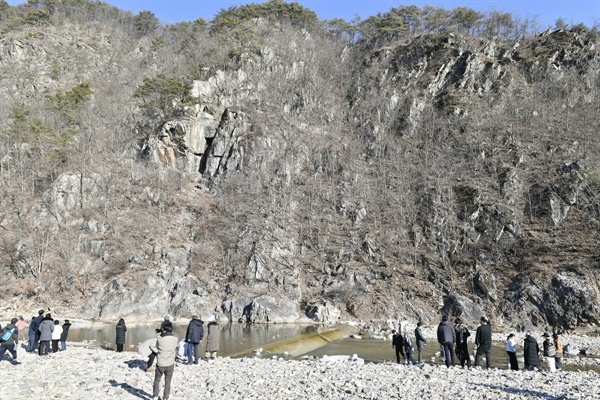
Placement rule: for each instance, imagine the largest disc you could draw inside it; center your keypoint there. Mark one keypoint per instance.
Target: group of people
(45, 335)
(455, 339)
(404, 346)
(166, 346)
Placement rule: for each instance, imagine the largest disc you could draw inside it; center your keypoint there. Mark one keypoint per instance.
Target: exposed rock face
(430, 184)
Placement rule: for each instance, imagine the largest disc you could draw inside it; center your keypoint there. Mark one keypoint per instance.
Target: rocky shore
(83, 372)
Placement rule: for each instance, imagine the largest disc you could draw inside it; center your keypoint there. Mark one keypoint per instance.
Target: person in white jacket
(56, 333)
(511, 350)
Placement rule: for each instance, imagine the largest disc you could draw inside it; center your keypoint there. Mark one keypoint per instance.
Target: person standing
(531, 350)
(397, 345)
(420, 339)
(121, 328)
(408, 347)
(212, 340)
(559, 351)
(483, 341)
(21, 325)
(193, 337)
(511, 350)
(12, 342)
(549, 352)
(46, 329)
(446, 338)
(462, 348)
(166, 350)
(63, 336)
(32, 334)
(56, 335)
(36, 322)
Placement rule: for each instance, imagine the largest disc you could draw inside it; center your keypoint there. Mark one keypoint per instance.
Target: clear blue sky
(547, 11)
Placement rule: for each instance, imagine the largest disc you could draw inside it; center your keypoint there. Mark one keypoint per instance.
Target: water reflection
(236, 339)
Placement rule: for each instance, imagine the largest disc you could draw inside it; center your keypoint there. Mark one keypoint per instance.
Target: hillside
(283, 169)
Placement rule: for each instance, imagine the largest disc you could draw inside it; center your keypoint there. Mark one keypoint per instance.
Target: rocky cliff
(309, 179)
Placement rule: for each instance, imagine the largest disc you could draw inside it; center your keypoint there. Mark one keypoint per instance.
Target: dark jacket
(36, 322)
(420, 339)
(14, 338)
(530, 352)
(397, 341)
(121, 328)
(445, 333)
(483, 337)
(462, 336)
(65, 332)
(549, 349)
(195, 331)
(46, 329)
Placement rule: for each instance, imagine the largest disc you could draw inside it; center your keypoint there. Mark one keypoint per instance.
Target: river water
(240, 339)
(236, 339)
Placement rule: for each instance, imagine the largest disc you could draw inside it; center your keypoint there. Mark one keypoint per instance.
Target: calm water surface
(236, 339)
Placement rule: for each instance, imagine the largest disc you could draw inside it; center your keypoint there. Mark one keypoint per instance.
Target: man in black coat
(447, 337)
(398, 345)
(483, 341)
(193, 336)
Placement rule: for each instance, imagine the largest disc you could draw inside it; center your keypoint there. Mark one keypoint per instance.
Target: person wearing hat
(531, 350)
(462, 349)
(12, 342)
(549, 351)
(483, 341)
(166, 350)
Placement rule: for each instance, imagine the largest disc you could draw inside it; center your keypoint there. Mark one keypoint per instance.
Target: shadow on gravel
(140, 364)
(524, 392)
(130, 389)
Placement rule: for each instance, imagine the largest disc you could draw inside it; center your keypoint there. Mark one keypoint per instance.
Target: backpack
(7, 335)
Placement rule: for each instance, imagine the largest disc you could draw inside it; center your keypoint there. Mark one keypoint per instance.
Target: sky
(547, 12)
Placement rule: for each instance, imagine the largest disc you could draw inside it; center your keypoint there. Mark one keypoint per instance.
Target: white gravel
(80, 373)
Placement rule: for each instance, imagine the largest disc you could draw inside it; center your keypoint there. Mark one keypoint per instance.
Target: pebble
(80, 372)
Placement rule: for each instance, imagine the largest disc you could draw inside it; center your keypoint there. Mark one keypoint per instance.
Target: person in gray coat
(46, 328)
(121, 328)
(447, 337)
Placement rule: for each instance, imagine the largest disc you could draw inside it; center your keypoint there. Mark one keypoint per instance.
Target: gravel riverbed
(84, 372)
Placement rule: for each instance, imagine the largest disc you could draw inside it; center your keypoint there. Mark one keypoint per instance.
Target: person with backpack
(549, 352)
(462, 349)
(10, 340)
(63, 336)
(46, 329)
